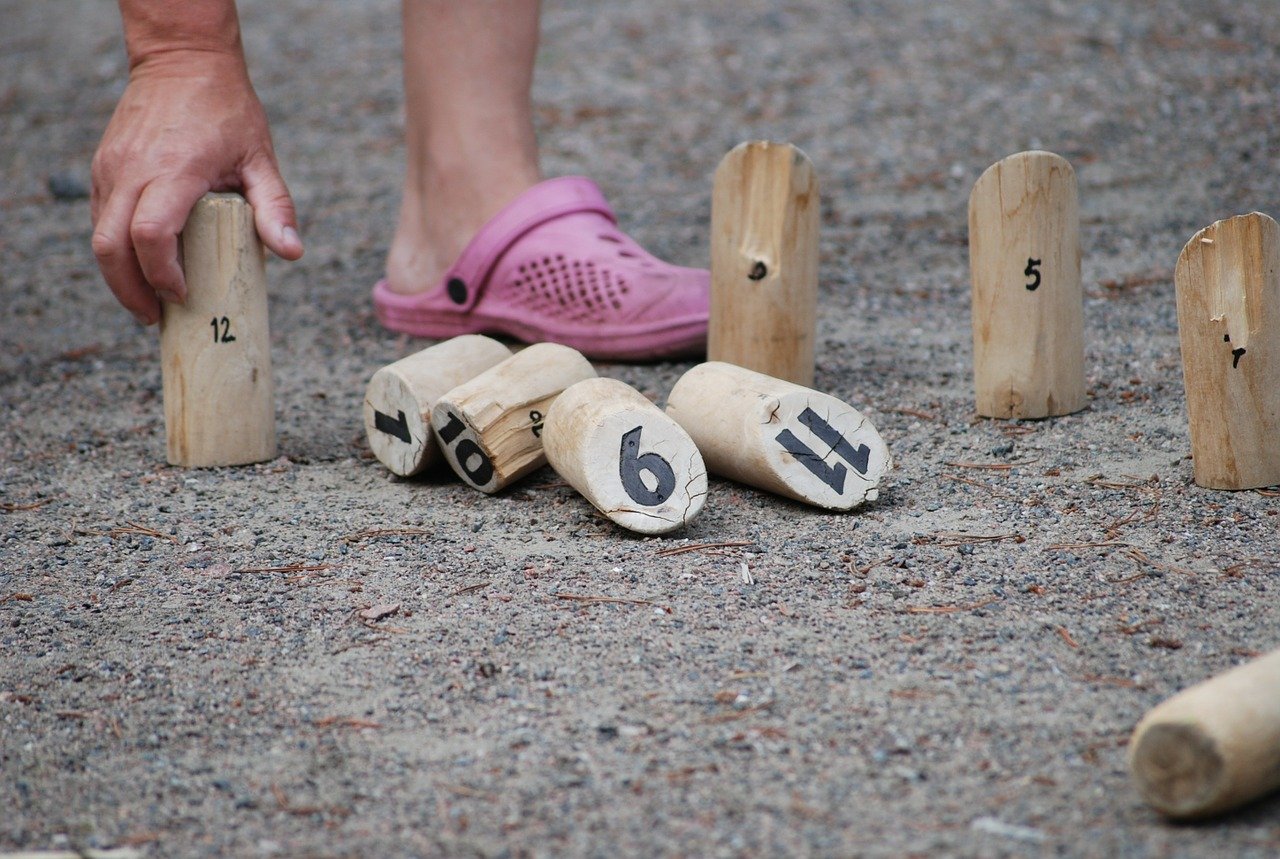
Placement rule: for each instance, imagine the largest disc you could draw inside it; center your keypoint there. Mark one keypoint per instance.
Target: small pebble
(67, 187)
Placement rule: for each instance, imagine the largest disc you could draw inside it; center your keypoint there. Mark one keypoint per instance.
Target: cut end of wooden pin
(1178, 769)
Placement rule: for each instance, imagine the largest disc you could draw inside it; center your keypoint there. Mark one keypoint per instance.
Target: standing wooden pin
(1228, 286)
(1213, 746)
(490, 428)
(215, 350)
(764, 261)
(635, 464)
(778, 436)
(400, 397)
(1028, 304)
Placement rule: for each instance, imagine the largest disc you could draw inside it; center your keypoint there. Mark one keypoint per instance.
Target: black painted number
(535, 418)
(1236, 354)
(397, 426)
(224, 335)
(632, 465)
(474, 461)
(1033, 271)
(832, 475)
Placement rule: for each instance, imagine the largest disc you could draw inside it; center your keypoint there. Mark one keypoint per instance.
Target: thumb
(273, 211)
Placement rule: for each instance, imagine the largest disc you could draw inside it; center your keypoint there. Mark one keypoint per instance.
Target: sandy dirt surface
(184, 669)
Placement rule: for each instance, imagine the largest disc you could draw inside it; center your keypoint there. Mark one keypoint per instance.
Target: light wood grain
(490, 428)
(764, 261)
(215, 350)
(399, 398)
(1228, 288)
(631, 461)
(1214, 746)
(779, 436)
(1028, 304)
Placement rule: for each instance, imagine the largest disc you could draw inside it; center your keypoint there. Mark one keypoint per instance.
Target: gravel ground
(882, 688)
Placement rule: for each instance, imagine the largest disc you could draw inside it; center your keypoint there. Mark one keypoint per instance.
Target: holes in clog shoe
(570, 289)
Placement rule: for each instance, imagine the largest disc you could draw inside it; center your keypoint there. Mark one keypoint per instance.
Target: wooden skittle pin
(779, 436)
(764, 261)
(1028, 304)
(1228, 287)
(490, 428)
(635, 464)
(399, 398)
(1213, 746)
(215, 349)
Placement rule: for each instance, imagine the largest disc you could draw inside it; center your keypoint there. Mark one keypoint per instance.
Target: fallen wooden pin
(1028, 302)
(764, 261)
(215, 348)
(1214, 746)
(1228, 288)
(635, 464)
(778, 436)
(490, 428)
(399, 399)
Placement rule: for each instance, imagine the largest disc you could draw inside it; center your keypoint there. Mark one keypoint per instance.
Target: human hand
(188, 123)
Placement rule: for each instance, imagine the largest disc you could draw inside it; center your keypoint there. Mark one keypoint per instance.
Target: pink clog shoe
(553, 266)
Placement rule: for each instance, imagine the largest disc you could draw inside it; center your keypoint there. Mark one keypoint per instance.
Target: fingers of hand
(113, 248)
(273, 211)
(158, 218)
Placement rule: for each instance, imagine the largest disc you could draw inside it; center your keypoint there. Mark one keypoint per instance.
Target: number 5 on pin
(779, 436)
(1028, 306)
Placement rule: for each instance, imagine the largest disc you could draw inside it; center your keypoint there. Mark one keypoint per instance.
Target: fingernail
(289, 236)
(169, 296)
(142, 318)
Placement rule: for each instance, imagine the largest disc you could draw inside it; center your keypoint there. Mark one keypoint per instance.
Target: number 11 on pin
(781, 437)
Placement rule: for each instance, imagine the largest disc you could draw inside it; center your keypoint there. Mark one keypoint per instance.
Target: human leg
(483, 245)
(470, 145)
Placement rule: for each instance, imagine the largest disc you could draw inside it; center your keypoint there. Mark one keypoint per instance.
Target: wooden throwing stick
(215, 349)
(1214, 746)
(1228, 286)
(1028, 303)
(399, 398)
(635, 464)
(778, 436)
(490, 428)
(764, 261)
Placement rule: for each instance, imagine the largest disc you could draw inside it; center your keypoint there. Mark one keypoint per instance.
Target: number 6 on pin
(779, 436)
(635, 464)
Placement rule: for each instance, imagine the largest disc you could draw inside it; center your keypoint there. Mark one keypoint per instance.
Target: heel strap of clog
(465, 281)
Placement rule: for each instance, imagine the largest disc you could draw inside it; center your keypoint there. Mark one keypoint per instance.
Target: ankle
(441, 211)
